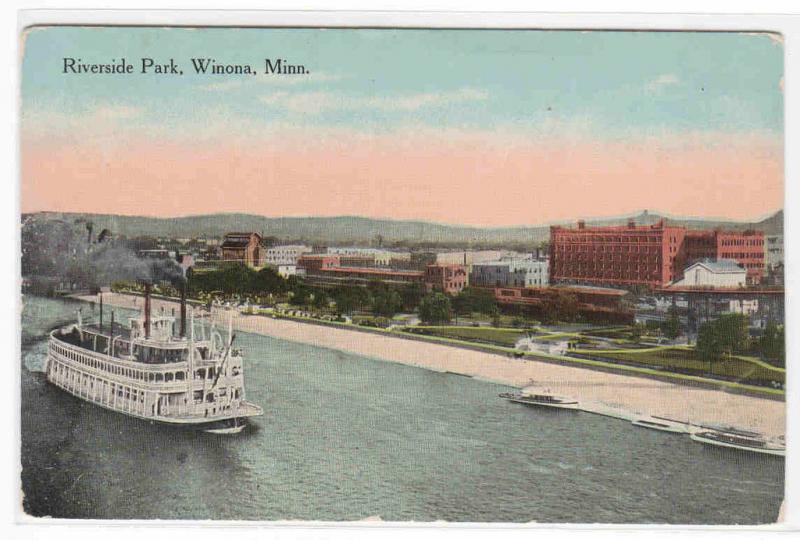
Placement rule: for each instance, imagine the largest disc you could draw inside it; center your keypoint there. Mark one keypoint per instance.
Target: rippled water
(346, 437)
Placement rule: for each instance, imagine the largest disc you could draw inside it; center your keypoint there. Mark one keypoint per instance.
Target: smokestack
(631, 223)
(147, 310)
(183, 309)
(101, 310)
(111, 336)
(581, 224)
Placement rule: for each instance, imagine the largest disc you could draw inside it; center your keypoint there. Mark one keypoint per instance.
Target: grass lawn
(506, 337)
(739, 367)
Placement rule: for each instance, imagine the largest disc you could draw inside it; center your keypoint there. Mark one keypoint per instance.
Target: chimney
(147, 310)
(631, 223)
(101, 310)
(111, 336)
(183, 309)
(581, 224)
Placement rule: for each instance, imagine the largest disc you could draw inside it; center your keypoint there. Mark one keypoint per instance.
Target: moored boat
(542, 399)
(151, 370)
(659, 424)
(746, 441)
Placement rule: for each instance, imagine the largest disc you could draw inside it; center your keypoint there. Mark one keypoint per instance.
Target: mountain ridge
(360, 230)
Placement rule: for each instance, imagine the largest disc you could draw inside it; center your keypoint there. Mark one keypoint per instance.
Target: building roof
(591, 289)
(492, 263)
(719, 266)
(372, 271)
(239, 239)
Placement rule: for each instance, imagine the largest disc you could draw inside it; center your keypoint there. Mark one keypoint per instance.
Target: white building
(773, 248)
(382, 257)
(510, 272)
(286, 270)
(745, 307)
(490, 274)
(470, 258)
(723, 273)
(285, 255)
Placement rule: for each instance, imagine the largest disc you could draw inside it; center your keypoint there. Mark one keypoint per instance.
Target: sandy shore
(623, 392)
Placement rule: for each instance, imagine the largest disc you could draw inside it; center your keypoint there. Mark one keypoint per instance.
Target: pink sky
(478, 179)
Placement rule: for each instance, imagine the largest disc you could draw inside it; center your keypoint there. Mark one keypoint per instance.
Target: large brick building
(649, 255)
(244, 247)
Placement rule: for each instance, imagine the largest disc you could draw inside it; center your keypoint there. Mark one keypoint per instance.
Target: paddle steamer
(152, 370)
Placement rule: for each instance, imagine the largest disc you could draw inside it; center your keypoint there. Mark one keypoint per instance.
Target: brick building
(447, 278)
(342, 275)
(313, 263)
(244, 247)
(649, 255)
(594, 303)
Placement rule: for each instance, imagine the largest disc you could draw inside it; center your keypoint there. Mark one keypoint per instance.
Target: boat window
(168, 377)
(198, 396)
(159, 377)
(179, 376)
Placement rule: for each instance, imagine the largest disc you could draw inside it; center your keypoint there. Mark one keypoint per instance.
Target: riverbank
(628, 394)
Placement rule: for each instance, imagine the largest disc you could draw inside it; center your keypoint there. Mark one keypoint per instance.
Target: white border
(512, 18)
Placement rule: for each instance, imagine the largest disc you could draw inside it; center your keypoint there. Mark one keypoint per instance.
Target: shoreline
(624, 396)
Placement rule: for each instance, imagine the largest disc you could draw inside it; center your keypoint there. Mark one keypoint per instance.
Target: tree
(495, 317)
(386, 302)
(301, 295)
(708, 346)
(672, 326)
(726, 335)
(560, 306)
(320, 299)
(474, 300)
(733, 331)
(772, 343)
(267, 280)
(350, 298)
(637, 330)
(411, 295)
(434, 308)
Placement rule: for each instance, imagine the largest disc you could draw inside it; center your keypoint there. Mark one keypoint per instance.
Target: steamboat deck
(148, 372)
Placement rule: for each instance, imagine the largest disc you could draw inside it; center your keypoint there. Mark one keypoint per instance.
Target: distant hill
(361, 230)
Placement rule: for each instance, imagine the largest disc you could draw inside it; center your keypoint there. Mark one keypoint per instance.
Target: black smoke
(62, 251)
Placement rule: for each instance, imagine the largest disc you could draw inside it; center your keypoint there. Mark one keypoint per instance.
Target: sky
(477, 127)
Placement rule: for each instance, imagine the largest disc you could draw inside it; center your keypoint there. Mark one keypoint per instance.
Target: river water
(346, 438)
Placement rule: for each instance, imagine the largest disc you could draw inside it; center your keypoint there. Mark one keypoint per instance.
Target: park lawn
(739, 367)
(557, 336)
(506, 337)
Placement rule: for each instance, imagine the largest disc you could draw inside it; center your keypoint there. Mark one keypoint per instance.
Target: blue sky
(614, 83)
(485, 127)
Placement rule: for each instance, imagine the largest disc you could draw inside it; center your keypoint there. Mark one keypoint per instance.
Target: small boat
(543, 400)
(659, 424)
(227, 427)
(747, 441)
